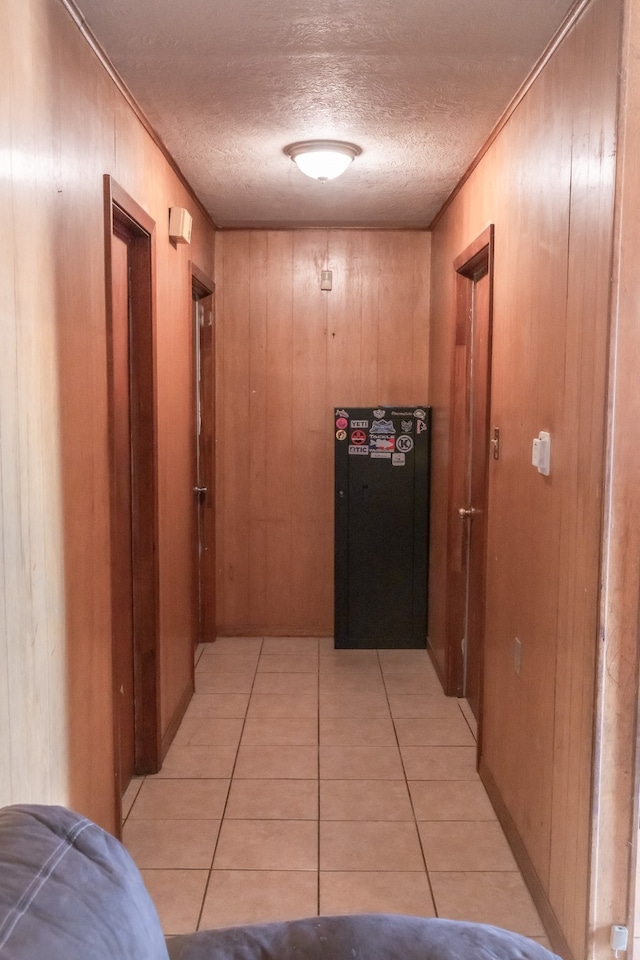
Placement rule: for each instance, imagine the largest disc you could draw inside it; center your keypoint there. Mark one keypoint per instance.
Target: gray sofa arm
(70, 891)
(358, 937)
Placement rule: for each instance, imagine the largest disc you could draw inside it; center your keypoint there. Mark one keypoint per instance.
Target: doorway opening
(203, 316)
(129, 253)
(470, 446)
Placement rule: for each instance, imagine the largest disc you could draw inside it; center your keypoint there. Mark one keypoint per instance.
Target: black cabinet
(381, 526)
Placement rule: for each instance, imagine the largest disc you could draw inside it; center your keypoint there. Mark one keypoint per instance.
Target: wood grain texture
(64, 126)
(287, 352)
(615, 846)
(547, 184)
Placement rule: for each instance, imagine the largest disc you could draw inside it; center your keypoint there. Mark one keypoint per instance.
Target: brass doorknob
(467, 512)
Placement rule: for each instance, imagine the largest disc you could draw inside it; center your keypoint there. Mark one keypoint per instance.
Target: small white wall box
(619, 938)
(180, 223)
(541, 453)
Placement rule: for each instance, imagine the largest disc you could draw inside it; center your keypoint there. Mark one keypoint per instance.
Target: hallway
(305, 780)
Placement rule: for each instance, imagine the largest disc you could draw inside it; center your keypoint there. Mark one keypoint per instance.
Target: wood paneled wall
(286, 354)
(546, 183)
(64, 123)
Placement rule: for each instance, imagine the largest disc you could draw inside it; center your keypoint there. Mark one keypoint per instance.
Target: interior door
(474, 510)
(471, 448)
(121, 546)
(204, 486)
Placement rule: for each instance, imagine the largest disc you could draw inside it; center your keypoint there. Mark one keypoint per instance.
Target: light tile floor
(306, 780)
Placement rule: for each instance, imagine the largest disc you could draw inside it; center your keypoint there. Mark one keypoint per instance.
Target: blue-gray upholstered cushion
(70, 891)
(358, 937)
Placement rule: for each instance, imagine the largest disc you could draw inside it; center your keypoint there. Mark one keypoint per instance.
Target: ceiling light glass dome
(322, 159)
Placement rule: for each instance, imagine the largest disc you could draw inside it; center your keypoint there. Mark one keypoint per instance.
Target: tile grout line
(224, 808)
(318, 902)
(406, 782)
(466, 720)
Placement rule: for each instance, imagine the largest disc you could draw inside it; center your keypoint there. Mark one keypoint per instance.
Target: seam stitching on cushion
(36, 884)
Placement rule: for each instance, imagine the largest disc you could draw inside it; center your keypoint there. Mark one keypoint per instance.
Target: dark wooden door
(476, 520)
(121, 543)
(129, 234)
(470, 451)
(204, 472)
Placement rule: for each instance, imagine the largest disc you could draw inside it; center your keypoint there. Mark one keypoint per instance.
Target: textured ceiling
(417, 84)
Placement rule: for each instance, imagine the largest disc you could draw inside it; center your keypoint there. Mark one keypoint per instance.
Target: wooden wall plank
(258, 436)
(232, 428)
(395, 315)
(370, 293)
(308, 408)
(586, 352)
(615, 849)
(344, 322)
(33, 605)
(310, 425)
(176, 478)
(421, 309)
(7, 397)
(323, 349)
(9, 485)
(280, 441)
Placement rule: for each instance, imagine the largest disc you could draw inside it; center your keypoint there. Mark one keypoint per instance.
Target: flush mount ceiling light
(322, 159)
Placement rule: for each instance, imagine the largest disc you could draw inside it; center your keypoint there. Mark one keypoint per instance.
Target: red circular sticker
(358, 437)
(342, 423)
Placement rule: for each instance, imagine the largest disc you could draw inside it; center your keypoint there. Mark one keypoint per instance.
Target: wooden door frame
(203, 286)
(467, 265)
(120, 209)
